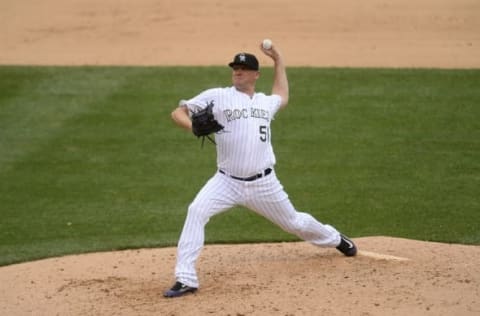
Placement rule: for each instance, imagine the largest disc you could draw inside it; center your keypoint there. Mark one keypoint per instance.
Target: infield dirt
(258, 279)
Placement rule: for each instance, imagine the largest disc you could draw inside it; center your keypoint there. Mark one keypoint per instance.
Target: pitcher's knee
(304, 226)
(198, 213)
(295, 225)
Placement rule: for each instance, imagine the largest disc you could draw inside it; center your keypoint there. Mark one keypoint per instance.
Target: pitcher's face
(244, 78)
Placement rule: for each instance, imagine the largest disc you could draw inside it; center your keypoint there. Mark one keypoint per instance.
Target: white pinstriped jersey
(244, 147)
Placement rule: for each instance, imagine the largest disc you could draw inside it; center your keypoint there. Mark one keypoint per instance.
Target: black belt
(265, 172)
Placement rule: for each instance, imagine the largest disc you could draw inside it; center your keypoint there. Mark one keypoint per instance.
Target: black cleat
(179, 289)
(347, 247)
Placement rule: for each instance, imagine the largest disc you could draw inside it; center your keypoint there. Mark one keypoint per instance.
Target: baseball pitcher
(239, 118)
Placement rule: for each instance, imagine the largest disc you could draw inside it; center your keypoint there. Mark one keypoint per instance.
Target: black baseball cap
(245, 59)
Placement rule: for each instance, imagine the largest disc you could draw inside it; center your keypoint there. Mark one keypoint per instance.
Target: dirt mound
(390, 276)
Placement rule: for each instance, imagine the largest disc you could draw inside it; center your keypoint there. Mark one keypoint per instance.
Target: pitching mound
(389, 277)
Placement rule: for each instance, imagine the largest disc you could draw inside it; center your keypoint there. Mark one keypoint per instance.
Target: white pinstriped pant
(265, 196)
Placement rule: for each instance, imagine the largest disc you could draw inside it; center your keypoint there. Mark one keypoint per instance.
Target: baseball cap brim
(242, 64)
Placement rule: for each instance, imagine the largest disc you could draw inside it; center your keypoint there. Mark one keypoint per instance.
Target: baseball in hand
(267, 43)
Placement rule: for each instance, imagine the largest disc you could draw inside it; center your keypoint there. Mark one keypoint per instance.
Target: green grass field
(90, 160)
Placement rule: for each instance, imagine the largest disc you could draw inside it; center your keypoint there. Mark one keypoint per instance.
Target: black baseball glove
(204, 123)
